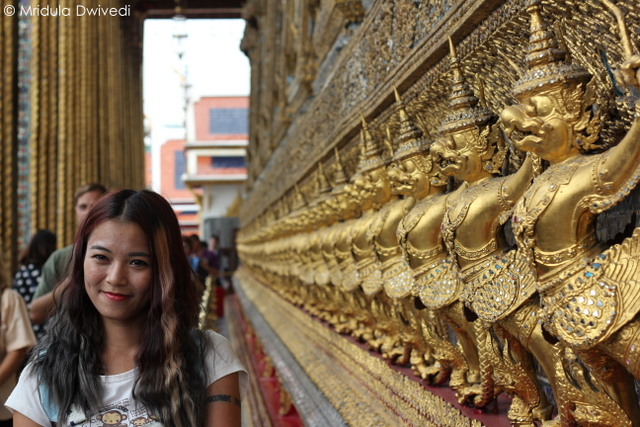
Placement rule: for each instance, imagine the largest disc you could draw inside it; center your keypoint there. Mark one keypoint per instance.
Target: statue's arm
(618, 166)
(516, 184)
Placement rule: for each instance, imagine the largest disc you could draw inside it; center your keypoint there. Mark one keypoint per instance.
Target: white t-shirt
(119, 408)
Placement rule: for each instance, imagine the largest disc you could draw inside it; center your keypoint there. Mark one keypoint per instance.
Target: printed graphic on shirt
(141, 421)
(123, 413)
(113, 418)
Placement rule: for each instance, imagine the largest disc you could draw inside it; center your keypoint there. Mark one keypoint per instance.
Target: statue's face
(458, 156)
(547, 132)
(408, 179)
(345, 203)
(326, 212)
(400, 183)
(469, 159)
(381, 186)
(362, 190)
(421, 185)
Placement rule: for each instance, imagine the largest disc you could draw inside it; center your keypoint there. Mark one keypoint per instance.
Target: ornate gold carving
(340, 370)
(351, 9)
(416, 244)
(580, 297)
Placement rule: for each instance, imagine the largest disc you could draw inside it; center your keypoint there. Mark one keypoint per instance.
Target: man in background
(55, 268)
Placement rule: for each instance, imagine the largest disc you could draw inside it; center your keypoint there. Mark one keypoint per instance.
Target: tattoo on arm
(223, 398)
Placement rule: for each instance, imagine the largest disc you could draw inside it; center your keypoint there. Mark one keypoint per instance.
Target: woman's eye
(139, 263)
(99, 257)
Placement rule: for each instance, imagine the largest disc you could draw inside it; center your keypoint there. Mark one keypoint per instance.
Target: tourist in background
(197, 270)
(40, 247)
(16, 338)
(55, 267)
(214, 248)
(206, 258)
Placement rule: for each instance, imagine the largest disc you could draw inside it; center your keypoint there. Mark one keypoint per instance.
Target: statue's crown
(339, 176)
(299, 202)
(546, 60)
(466, 112)
(411, 140)
(372, 154)
(322, 185)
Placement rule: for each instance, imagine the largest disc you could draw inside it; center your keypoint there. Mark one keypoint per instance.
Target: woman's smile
(115, 296)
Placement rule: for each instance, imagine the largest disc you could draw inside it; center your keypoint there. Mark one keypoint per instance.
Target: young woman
(40, 247)
(123, 349)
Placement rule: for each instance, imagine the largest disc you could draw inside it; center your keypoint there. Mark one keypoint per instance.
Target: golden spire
(299, 201)
(545, 60)
(410, 140)
(466, 112)
(322, 185)
(387, 140)
(461, 96)
(339, 177)
(373, 156)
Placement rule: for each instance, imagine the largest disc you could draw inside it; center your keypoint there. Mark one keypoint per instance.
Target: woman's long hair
(40, 247)
(171, 378)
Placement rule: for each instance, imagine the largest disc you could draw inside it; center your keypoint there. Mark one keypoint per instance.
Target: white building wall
(217, 198)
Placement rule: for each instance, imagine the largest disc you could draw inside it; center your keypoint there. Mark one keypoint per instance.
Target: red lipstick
(115, 297)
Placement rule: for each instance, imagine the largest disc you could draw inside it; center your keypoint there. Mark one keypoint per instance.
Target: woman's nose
(117, 275)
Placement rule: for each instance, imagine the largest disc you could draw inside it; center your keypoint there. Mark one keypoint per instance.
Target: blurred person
(39, 249)
(16, 339)
(214, 248)
(214, 243)
(186, 246)
(54, 269)
(218, 274)
(206, 259)
(197, 270)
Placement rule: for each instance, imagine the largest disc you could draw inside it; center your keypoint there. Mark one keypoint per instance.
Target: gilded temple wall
(8, 33)
(79, 119)
(381, 52)
(466, 207)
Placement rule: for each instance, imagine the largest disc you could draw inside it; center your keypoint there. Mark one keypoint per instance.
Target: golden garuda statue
(590, 295)
(495, 286)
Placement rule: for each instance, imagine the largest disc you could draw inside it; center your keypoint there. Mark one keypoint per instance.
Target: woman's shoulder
(213, 336)
(217, 349)
(222, 360)
(217, 344)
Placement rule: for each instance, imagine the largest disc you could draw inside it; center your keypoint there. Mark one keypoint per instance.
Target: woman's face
(118, 271)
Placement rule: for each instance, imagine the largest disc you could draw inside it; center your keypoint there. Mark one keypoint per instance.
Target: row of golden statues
(398, 258)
